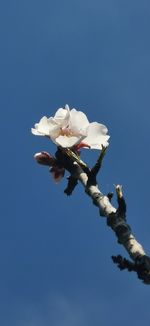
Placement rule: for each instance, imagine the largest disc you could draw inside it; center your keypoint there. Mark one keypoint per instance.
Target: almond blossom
(70, 128)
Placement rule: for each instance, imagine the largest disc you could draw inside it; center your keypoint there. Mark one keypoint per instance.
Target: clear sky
(55, 252)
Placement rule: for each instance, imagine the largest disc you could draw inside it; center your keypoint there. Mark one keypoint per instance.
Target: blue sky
(55, 265)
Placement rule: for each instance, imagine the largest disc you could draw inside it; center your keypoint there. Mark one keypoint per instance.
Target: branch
(116, 217)
(68, 159)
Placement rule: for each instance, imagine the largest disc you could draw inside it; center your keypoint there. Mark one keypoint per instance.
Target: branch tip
(121, 201)
(119, 191)
(96, 168)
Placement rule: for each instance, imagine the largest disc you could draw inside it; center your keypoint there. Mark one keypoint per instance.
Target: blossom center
(66, 132)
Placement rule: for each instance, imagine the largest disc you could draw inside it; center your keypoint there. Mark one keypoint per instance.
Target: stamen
(66, 132)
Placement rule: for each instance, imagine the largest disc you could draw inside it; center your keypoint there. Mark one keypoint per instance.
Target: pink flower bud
(57, 173)
(45, 158)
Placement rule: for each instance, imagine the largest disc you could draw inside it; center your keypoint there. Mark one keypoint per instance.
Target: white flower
(69, 128)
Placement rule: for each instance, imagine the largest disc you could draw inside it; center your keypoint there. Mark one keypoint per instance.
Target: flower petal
(78, 122)
(46, 127)
(41, 128)
(65, 141)
(62, 116)
(97, 136)
(36, 132)
(54, 128)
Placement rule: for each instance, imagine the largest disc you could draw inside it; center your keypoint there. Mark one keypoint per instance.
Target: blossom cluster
(69, 128)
